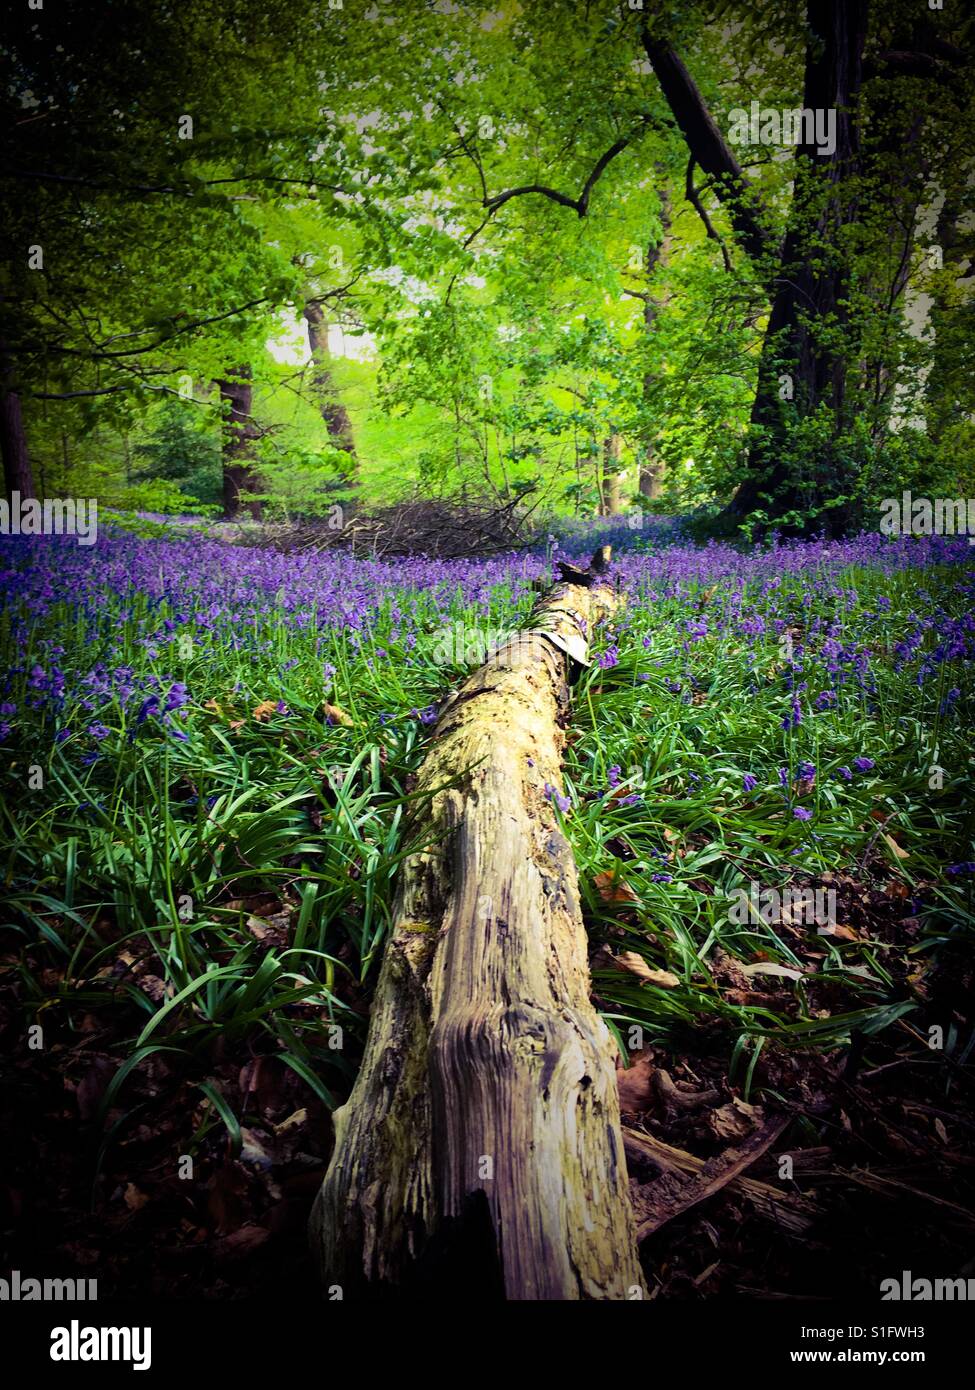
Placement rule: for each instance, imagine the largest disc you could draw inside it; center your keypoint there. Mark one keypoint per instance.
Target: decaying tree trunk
(480, 1149)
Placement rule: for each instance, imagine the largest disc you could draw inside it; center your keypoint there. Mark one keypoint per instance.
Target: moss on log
(480, 1150)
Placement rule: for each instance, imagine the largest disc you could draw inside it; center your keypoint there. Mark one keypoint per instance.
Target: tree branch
(185, 190)
(694, 198)
(167, 338)
(902, 63)
(113, 390)
(579, 205)
(706, 143)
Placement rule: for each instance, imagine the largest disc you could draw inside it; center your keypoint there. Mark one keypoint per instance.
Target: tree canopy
(588, 252)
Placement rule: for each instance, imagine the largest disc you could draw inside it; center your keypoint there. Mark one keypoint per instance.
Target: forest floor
(199, 884)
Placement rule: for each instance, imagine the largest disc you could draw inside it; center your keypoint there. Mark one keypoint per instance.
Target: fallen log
(481, 1146)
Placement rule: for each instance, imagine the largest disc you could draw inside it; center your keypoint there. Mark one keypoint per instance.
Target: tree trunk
(239, 479)
(17, 474)
(658, 253)
(333, 412)
(904, 189)
(948, 384)
(481, 1144)
(651, 479)
(612, 502)
(801, 367)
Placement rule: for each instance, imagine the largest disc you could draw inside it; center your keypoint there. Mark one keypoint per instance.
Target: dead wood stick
(688, 1191)
(786, 1210)
(481, 1147)
(892, 1187)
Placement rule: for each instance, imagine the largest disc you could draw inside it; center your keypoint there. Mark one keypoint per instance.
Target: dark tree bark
(811, 281)
(707, 144)
(239, 433)
(799, 370)
(334, 413)
(17, 473)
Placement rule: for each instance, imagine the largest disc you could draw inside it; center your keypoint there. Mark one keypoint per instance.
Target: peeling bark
(481, 1145)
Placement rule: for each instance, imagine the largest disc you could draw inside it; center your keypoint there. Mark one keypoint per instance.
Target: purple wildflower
(552, 794)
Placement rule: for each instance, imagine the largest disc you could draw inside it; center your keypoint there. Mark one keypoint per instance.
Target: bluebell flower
(552, 794)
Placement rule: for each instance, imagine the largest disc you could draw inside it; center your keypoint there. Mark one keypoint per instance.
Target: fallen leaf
(635, 963)
(262, 712)
(786, 972)
(271, 930)
(635, 1084)
(895, 848)
(296, 1120)
(735, 1120)
(844, 933)
(153, 986)
(335, 715)
(614, 890)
